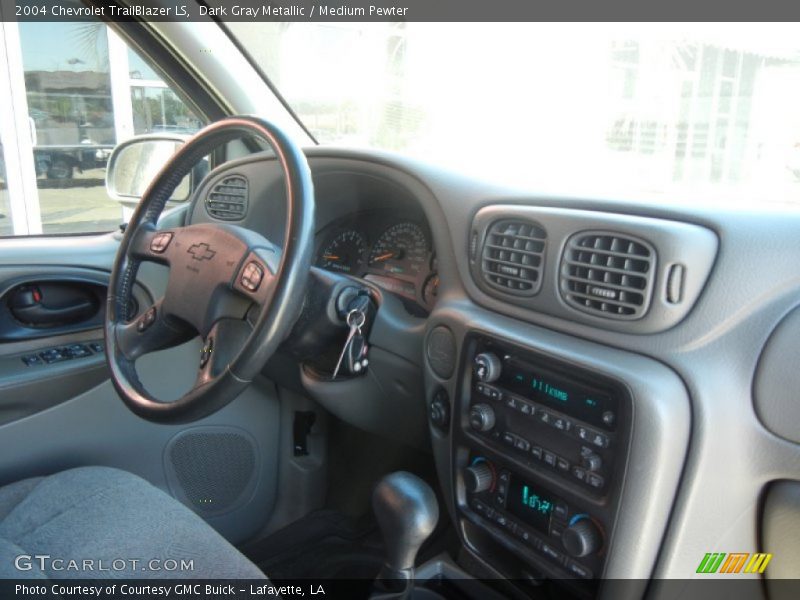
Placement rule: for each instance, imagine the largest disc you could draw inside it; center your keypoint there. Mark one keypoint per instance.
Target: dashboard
(551, 311)
(392, 250)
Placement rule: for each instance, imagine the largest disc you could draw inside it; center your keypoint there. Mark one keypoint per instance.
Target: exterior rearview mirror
(134, 164)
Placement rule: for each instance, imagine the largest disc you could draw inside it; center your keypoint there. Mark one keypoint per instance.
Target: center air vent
(227, 200)
(608, 274)
(513, 254)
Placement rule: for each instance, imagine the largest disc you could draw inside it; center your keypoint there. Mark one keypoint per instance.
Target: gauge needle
(330, 257)
(383, 257)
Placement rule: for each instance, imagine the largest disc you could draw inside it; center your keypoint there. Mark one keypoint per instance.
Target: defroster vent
(227, 200)
(608, 274)
(513, 256)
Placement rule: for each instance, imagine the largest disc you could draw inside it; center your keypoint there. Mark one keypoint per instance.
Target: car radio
(546, 415)
(541, 447)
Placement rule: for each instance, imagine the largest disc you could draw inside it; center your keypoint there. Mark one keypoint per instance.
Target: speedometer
(344, 253)
(401, 250)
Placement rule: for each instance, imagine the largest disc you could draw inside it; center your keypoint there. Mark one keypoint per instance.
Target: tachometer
(401, 250)
(344, 253)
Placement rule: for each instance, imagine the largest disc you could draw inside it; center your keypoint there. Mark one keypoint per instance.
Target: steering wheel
(231, 286)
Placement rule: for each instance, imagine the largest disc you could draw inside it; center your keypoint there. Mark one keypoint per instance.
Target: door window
(84, 92)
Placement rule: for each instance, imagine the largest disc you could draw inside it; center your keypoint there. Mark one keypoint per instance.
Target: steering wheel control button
(205, 352)
(252, 275)
(160, 242)
(146, 320)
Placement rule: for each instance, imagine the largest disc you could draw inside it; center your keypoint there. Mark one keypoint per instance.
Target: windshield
(624, 109)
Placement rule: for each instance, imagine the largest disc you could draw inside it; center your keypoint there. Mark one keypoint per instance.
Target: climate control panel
(568, 537)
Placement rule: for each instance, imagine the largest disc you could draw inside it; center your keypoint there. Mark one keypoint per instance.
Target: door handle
(51, 305)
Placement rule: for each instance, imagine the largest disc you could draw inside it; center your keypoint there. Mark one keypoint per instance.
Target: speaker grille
(213, 469)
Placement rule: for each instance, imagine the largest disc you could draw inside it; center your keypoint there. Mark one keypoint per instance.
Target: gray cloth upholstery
(112, 518)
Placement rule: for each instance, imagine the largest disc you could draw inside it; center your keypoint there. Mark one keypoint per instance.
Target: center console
(539, 454)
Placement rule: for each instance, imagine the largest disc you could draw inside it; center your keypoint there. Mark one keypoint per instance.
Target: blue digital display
(530, 504)
(558, 392)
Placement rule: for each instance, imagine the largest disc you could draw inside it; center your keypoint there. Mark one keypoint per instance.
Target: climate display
(530, 504)
(559, 393)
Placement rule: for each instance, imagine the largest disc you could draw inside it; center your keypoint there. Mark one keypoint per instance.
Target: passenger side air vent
(227, 200)
(608, 274)
(513, 256)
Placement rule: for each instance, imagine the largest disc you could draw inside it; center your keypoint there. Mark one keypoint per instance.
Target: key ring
(358, 313)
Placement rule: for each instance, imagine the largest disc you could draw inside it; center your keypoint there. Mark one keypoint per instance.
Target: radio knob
(591, 461)
(481, 417)
(581, 538)
(478, 478)
(487, 367)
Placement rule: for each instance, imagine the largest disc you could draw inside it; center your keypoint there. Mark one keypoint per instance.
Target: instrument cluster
(393, 251)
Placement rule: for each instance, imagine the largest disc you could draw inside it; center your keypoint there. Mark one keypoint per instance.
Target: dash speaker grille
(212, 468)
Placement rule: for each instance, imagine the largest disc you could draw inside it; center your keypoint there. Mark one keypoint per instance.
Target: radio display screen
(530, 504)
(559, 393)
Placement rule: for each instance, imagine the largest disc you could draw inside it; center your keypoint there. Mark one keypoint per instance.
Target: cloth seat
(99, 522)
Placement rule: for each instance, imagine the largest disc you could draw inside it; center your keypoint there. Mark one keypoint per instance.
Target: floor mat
(326, 544)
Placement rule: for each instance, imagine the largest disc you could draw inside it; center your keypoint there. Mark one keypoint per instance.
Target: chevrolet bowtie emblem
(201, 252)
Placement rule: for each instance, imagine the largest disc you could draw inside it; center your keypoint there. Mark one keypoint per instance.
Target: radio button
(561, 510)
(525, 535)
(599, 439)
(556, 530)
(549, 458)
(594, 480)
(561, 423)
(578, 570)
(562, 463)
(512, 402)
(526, 408)
(505, 476)
(537, 452)
(609, 418)
(579, 473)
(544, 416)
(522, 444)
(508, 438)
(551, 552)
(479, 507)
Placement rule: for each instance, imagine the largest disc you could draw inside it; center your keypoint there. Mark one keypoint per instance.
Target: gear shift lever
(407, 512)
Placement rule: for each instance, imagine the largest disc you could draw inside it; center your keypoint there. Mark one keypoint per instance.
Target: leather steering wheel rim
(277, 302)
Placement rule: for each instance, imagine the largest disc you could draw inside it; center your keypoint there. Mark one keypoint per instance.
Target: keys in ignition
(355, 320)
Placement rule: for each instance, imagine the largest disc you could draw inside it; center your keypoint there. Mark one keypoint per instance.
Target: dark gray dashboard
(691, 368)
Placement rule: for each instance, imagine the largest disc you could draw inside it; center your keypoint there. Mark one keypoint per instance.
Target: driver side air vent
(608, 274)
(513, 255)
(227, 200)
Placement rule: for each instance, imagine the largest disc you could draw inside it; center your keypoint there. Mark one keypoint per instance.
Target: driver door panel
(65, 413)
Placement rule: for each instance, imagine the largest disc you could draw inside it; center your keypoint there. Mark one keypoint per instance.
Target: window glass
(618, 109)
(5, 206)
(84, 96)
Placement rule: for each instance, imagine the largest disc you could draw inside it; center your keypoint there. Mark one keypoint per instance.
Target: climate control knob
(481, 417)
(581, 538)
(478, 478)
(487, 367)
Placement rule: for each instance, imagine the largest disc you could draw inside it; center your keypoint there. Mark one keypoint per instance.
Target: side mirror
(133, 164)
